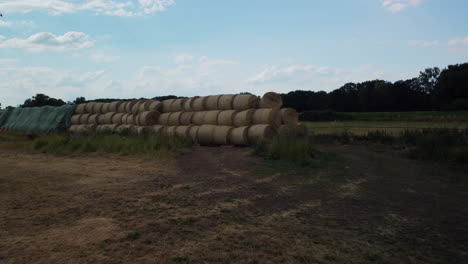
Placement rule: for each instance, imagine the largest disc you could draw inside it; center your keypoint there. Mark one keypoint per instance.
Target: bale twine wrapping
(199, 104)
(170, 130)
(221, 135)
(117, 118)
(93, 119)
(178, 105)
(226, 102)
(205, 134)
(186, 118)
(75, 119)
(174, 118)
(158, 129)
(257, 133)
(239, 136)
(267, 116)
(193, 133)
(164, 119)
(302, 130)
(122, 106)
(80, 109)
(243, 118)
(154, 105)
(97, 108)
(226, 117)
(271, 100)
(106, 118)
(289, 116)
(188, 104)
(84, 118)
(211, 117)
(129, 105)
(166, 105)
(143, 130)
(182, 131)
(198, 118)
(114, 106)
(147, 118)
(244, 102)
(212, 102)
(89, 107)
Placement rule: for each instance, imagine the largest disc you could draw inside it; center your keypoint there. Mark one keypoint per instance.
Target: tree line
(432, 90)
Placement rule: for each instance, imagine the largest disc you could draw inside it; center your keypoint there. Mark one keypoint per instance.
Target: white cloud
(424, 43)
(48, 41)
(5, 23)
(183, 58)
(98, 7)
(103, 58)
(399, 5)
(458, 42)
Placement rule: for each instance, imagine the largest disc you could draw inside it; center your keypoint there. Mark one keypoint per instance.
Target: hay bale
(84, 118)
(226, 102)
(129, 106)
(105, 108)
(178, 105)
(257, 133)
(158, 129)
(211, 117)
(302, 130)
(143, 130)
(130, 119)
(239, 136)
(125, 128)
(97, 108)
(144, 106)
(166, 105)
(106, 118)
(193, 133)
(199, 104)
(170, 130)
(147, 118)
(182, 131)
(80, 109)
(226, 117)
(267, 116)
(83, 129)
(205, 134)
(73, 129)
(164, 119)
(75, 119)
(271, 100)
(122, 106)
(174, 118)
(289, 116)
(198, 118)
(243, 118)
(117, 118)
(186, 118)
(93, 119)
(221, 135)
(154, 105)
(212, 102)
(188, 104)
(245, 101)
(89, 107)
(136, 107)
(114, 106)
(106, 128)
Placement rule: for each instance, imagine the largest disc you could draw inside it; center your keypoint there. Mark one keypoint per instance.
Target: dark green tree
(42, 100)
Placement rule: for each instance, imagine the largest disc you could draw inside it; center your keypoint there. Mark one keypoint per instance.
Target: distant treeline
(432, 90)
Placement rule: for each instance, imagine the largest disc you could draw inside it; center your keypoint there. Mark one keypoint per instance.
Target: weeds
(134, 235)
(286, 148)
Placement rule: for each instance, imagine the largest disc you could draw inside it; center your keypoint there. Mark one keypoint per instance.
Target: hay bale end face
(211, 117)
(257, 133)
(199, 104)
(239, 136)
(221, 135)
(129, 106)
(243, 118)
(226, 117)
(245, 101)
(271, 100)
(205, 134)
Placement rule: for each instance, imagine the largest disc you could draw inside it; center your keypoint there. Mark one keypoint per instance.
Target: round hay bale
(97, 108)
(80, 109)
(178, 105)
(289, 116)
(226, 102)
(221, 135)
(164, 119)
(122, 106)
(93, 119)
(199, 104)
(174, 118)
(205, 134)
(257, 133)
(198, 118)
(166, 105)
(84, 118)
(158, 129)
(105, 118)
(106, 128)
(170, 130)
(105, 108)
(154, 105)
(74, 129)
(89, 107)
(85, 129)
(129, 106)
(193, 133)
(114, 106)
(144, 106)
(188, 104)
(143, 130)
(182, 131)
(186, 118)
(211, 117)
(243, 118)
(271, 100)
(75, 119)
(125, 128)
(267, 116)
(147, 118)
(245, 101)
(117, 118)
(212, 102)
(226, 117)
(239, 136)
(302, 130)
(130, 119)
(136, 107)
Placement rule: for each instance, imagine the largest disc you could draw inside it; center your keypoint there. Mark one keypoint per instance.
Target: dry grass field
(356, 204)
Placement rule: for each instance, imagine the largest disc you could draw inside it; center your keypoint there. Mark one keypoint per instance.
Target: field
(353, 204)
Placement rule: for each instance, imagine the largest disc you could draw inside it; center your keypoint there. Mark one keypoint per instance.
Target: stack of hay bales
(135, 115)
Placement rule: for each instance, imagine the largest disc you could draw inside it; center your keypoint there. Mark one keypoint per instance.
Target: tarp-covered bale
(148, 118)
(211, 117)
(239, 136)
(271, 100)
(226, 117)
(212, 102)
(221, 135)
(226, 102)
(267, 116)
(199, 104)
(186, 118)
(257, 133)
(243, 118)
(205, 134)
(245, 101)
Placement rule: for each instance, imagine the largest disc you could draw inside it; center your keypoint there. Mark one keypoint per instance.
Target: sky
(148, 48)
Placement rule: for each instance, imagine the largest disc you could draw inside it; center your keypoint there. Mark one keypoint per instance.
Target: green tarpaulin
(45, 119)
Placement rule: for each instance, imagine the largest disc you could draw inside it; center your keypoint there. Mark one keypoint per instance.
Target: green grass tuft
(286, 148)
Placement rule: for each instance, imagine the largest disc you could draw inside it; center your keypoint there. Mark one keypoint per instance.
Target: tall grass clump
(286, 148)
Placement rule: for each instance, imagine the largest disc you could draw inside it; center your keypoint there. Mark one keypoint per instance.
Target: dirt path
(223, 205)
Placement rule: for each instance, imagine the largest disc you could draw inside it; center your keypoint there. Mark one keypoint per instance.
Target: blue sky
(146, 48)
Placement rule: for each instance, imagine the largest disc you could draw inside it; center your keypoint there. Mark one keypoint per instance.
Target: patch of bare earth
(223, 205)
